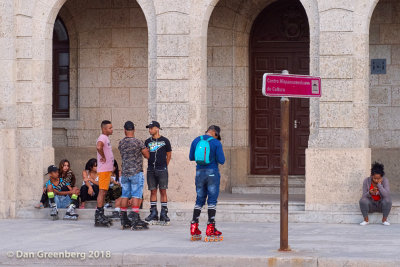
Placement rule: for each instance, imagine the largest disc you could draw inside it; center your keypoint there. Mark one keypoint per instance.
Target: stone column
(8, 149)
(33, 89)
(338, 157)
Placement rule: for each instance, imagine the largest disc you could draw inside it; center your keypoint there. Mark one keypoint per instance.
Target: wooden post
(284, 205)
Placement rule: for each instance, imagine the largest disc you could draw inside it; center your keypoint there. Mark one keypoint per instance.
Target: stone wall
(384, 91)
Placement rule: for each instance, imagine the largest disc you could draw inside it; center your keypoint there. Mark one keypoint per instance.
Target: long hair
(69, 176)
(90, 164)
(61, 166)
(116, 170)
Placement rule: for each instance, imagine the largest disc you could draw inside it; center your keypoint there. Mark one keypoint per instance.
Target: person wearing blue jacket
(207, 183)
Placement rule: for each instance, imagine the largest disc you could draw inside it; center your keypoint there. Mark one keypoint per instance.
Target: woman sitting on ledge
(376, 195)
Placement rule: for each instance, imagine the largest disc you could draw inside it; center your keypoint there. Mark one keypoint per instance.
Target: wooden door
(279, 41)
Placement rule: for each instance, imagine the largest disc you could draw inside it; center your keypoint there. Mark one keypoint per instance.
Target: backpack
(202, 152)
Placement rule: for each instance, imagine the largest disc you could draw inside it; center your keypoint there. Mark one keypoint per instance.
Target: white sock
(117, 209)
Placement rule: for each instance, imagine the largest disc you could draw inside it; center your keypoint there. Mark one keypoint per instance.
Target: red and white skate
(212, 234)
(195, 233)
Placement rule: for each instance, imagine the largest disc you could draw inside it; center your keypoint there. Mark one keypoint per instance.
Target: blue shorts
(132, 186)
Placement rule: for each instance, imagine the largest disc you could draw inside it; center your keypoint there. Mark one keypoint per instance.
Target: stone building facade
(191, 63)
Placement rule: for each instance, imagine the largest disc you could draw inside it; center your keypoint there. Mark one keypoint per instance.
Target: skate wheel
(195, 237)
(209, 239)
(221, 238)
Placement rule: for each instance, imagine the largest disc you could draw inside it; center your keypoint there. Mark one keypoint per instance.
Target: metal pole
(285, 109)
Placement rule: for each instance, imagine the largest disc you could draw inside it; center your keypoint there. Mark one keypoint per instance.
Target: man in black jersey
(157, 172)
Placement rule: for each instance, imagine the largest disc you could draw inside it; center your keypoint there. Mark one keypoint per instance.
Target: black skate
(137, 223)
(70, 214)
(164, 219)
(125, 222)
(54, 212)
(153, 217)
(115, 215)
(100, 220)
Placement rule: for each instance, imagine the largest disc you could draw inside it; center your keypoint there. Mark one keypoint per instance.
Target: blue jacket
(216, 153)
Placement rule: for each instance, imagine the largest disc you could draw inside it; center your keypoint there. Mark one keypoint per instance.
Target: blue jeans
(207, 185)
(132, 186)
(62, 201)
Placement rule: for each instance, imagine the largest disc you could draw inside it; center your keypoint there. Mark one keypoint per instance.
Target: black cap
(52, 168)
(129, 126)
(154, 124)
(216, 129)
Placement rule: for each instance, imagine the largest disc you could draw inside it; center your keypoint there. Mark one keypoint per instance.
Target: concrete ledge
(233, 215)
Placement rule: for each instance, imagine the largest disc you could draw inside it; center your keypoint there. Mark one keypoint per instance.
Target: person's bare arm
(146, 153)
(100, 146)
(86, 179)
(169, 155)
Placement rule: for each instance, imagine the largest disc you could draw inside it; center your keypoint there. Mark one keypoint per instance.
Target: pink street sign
(281, 85)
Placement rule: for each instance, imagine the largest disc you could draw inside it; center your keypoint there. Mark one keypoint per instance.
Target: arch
(237, 18)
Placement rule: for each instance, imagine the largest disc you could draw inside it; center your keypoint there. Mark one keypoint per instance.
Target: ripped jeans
(207, 185)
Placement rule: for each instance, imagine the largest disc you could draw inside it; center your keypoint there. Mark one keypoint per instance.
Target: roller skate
(100, 220)
(164, 219)
(212, 234)
(137, 223)
(153, 217)
(54, 212)
(115, 215)
(195, 233)
(70, 214)
(125, 222)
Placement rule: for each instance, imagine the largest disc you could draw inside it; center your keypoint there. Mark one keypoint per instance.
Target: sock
(117, 209)
(196, 214)
(74, 200)
(211, 213)
(153, 204)
(135, 209)
(124, 209)
(163, 205)
(101, 209)
(50, 195)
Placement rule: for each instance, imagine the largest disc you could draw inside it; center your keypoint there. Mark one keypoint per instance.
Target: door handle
(296, 124)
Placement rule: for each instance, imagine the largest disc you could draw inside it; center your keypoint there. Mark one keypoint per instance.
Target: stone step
(274, 180)
(272, 189)
(267, 216)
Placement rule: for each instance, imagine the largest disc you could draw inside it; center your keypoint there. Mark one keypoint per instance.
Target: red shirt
(375, 197)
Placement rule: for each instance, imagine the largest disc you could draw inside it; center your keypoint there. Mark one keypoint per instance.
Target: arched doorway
(279, 40)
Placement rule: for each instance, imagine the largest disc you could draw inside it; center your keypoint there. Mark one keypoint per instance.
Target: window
(60, 70)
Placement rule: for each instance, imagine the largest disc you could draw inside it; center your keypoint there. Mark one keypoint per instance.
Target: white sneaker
(364, 223)
(386, 223)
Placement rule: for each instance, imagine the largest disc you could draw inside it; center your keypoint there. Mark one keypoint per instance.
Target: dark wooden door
(279, 41)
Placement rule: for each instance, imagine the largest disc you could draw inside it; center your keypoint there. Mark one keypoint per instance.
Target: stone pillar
(8, 149)
(33, 90)
(179, 100)
(338, 157)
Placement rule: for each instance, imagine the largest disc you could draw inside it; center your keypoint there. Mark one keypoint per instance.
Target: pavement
(35, 242)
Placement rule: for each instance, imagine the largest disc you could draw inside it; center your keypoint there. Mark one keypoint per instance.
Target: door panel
(272, 50)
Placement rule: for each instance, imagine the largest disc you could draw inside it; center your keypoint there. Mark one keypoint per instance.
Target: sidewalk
(245, 244)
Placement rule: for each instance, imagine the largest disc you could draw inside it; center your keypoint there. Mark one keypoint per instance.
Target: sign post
(285, 86)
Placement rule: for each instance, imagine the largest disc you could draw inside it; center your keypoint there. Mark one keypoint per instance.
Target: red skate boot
(212, 234)
(195, 233)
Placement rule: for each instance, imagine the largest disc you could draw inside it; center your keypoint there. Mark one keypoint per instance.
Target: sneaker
(39, 206)
(386, 223)
(364, 223)
(108, 206)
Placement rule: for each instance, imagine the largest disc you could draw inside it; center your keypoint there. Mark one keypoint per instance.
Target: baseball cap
(129, 126)
(216, 129)
(154, 124)
(52, 168)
